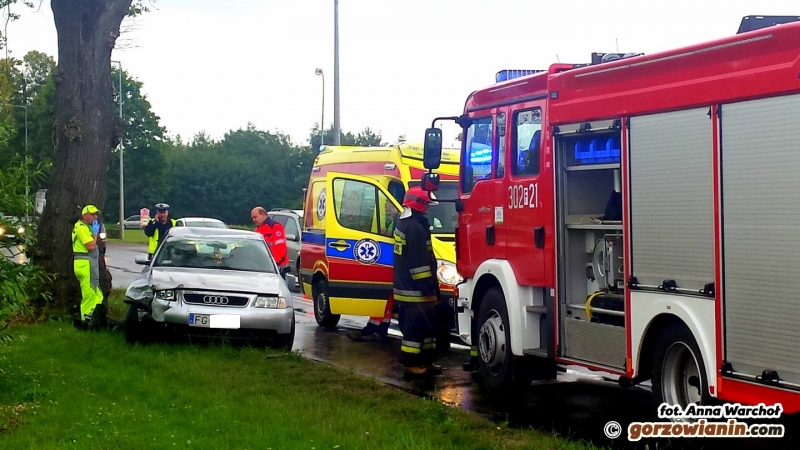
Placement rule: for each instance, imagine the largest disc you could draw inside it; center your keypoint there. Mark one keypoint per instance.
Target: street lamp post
(319, 72)
(336, 125)
(121, 147)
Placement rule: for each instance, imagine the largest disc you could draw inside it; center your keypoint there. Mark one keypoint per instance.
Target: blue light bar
(510, 74)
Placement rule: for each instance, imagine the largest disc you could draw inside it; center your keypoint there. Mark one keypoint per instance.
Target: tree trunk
(85, 129)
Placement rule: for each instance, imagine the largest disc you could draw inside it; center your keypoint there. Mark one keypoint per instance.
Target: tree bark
(85, 129)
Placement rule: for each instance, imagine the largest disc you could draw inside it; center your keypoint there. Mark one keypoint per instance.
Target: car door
(359, 250)
(290, 224)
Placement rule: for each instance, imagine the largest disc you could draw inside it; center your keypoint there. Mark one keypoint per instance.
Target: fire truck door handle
(490, 235)
(538, 237)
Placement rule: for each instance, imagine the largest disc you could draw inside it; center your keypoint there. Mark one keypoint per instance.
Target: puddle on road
(578, 405)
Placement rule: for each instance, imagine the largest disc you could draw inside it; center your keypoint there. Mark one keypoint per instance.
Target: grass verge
(131, 237)
(62, 388)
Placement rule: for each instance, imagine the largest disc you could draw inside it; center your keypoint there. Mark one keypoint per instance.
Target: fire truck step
(536, 309)
(541, 352)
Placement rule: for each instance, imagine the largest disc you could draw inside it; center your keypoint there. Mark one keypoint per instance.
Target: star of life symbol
(367, 251)
(321, 205)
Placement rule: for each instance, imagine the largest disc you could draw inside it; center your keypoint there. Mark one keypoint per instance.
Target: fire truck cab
(638, 215)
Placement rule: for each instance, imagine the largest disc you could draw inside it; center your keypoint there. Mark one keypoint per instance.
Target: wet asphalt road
(578, 404)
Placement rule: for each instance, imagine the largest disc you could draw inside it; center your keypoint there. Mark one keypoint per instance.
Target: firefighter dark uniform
(415, 285)
(86, 264)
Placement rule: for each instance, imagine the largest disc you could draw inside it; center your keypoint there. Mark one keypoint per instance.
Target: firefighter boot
(422, 371)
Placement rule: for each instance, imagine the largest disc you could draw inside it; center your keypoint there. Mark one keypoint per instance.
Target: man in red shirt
(274, 235)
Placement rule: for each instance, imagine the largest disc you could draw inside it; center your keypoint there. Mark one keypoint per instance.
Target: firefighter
(274, 235)
(87, 267)
(158, 227)
(415, 285)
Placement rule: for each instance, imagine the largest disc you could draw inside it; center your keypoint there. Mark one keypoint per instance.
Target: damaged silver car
(208, 282)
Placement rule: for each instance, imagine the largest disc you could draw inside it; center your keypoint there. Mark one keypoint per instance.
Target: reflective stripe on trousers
(88, 274)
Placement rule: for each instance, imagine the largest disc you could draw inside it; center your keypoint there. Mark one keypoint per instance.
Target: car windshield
(224, 252)
(443, 217)
(205, 224)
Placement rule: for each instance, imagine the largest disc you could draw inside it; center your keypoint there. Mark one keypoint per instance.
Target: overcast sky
(213, 66)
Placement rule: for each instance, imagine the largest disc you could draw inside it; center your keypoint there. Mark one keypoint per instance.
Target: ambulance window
(478, 153)
(397, 190)
(526, 143)
(355, 203)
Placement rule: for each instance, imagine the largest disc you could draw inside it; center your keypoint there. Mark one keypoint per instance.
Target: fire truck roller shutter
(761, 236)
(671, 180)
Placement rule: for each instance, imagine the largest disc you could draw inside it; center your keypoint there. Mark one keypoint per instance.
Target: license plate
(228, 321)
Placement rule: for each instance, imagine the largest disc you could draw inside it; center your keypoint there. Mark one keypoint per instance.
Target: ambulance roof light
(510, 74)
(322, 148)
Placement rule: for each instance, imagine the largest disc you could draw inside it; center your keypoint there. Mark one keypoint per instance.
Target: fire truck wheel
(322, 306)
(679, 374)
(502, 374)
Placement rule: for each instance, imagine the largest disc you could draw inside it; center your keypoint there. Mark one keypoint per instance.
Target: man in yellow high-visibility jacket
(87, 264)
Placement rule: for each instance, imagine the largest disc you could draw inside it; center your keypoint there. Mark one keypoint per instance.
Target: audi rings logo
(215, 300)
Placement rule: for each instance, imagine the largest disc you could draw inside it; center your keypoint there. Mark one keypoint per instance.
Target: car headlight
(270, 301)
(447, 273)
(103, 235)
(167, 295)
(20, 230)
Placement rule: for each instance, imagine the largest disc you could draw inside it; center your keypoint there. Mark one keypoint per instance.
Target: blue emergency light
(480, 155)
(510, 74)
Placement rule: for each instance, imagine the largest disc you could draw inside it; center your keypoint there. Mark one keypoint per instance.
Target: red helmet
(417, 199)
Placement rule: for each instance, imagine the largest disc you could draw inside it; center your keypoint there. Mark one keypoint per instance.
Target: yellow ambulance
(353, 196)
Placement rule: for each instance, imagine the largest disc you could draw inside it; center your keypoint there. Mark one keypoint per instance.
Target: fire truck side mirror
(430, 182)
(432, 152)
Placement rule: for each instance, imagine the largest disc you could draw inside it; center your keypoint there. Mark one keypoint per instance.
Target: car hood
(216, 280)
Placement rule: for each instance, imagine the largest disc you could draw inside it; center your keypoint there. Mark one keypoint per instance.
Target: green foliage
(19, 283)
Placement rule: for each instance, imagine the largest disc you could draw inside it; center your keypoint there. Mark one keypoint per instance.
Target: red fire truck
(639, 215)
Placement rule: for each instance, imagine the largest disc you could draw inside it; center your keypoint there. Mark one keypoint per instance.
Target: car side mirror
(143, 260)
(432, 151)
(291, 237)
(430, 182)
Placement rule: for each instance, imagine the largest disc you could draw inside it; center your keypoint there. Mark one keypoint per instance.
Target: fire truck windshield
(443, 217)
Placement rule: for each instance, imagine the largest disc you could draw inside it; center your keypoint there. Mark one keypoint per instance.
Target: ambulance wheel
(502, 374)
(679, 374)
(322, 306)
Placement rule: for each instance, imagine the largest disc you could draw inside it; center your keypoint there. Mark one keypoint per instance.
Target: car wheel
(133, 326)
(285, 341)
(502, 374)
(322, 306)
(679, 375)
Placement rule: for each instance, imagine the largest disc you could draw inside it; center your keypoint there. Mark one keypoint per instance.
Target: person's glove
(95, 227)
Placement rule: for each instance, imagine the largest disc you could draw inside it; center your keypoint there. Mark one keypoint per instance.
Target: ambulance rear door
(359, 244)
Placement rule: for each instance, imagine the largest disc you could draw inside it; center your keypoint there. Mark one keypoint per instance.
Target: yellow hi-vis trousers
(91, 295)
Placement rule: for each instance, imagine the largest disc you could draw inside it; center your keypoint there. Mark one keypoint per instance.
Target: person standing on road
(274, 235)
(415, 285)
(87, 268)
(158, 227)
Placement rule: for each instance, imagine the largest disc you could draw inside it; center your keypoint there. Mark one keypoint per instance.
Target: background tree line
(203, 177)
